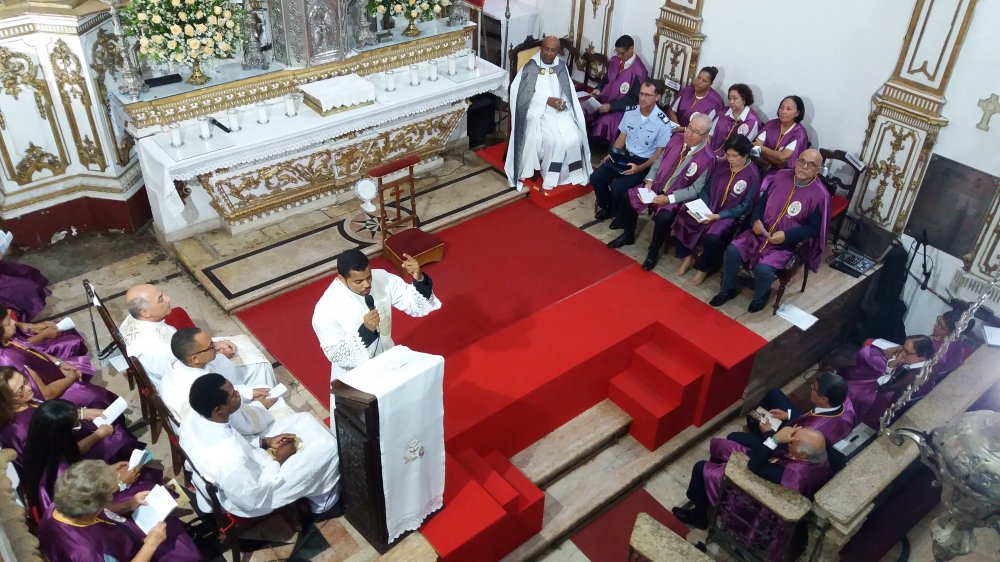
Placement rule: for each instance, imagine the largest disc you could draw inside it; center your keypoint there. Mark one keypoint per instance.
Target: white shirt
(149, 342)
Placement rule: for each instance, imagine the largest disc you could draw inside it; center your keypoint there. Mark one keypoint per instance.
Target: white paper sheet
(884, 344)
(246, 352)
(991, 335)
(159, 504)
(118, 362)
(278, 391)
(646, 195)
(65, 324)
(112, 412)
(698, 209)
(797, 316)
(590, 104)
(139, 457)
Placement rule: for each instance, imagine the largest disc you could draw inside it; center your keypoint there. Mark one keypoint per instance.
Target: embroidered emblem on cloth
(740, 187)
(794, 209)
(414, 451)
(743, 129)
(692, 169)
(624, 88)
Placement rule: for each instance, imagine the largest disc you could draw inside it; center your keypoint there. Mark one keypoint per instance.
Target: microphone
(370, 301)
(927, 273)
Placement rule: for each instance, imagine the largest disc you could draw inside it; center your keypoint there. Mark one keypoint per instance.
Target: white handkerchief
(646, 195)
(65, 324)
(159, 504)
(112, 412)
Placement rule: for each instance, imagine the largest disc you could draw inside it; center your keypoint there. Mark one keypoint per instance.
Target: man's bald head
(807, 166)
(146, 302)
(808, 444)
(550, 48)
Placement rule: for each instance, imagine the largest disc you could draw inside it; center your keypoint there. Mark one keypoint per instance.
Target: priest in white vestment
(296, 459)
(147, 338)
(195, 351)
(548, 131)
(353, 318)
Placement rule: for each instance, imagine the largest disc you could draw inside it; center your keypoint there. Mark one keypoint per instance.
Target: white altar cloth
(409, 389)
(284, 135)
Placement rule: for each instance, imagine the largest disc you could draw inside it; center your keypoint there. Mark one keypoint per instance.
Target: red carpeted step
(531, 503)
(494, 155)
(549, 198)
(656, 417)
(677, 368)
(493, 483)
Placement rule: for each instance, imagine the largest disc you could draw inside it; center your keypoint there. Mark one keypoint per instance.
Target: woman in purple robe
(697, 97)
(618, 90)
(20, 399)
(23, 289)
(740, 119)
(783, 138)
(85, 523)
(732, 191)
(23, 355)
(46, 337)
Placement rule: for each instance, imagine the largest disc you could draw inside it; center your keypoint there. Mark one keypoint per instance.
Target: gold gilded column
(904, 122)
(678, 39)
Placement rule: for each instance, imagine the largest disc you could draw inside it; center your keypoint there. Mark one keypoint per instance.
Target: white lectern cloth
(409, 388)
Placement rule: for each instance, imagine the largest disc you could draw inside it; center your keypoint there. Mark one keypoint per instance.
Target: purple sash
(687, 104)
(19, 353)
(787, 207)
(728, 190)
(774, 140)
(618, 86)
(726, 127)
(834, 427)
(696, 163)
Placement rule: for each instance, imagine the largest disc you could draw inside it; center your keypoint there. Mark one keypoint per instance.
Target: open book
(762, 415)
(698, 209)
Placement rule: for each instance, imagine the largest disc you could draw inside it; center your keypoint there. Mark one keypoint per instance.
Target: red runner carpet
(607, 536)
(544, 198)
(498, 269)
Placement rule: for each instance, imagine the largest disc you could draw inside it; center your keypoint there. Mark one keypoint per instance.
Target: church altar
(265, 172)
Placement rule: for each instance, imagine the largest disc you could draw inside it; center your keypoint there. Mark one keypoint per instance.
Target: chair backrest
(102, 311)
(835, 182)
(520, 54)
(595, 67)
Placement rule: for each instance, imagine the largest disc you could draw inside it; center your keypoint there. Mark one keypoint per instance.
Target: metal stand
(131, 82)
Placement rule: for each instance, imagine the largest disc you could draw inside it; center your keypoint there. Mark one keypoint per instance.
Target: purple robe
(833, 426)
(115, 447)
(20, 353)
(727, 126)
(774, 140)
(68, 346)
(686, 104)
(67, 542)
(148, 478)
(869, 364)
(787, 207)
(727, 191)
(620, 83)
(23, 289)
(699, 161)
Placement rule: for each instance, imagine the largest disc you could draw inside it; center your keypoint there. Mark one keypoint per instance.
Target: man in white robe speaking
(353, 318)
(258, 475)
(548, 131)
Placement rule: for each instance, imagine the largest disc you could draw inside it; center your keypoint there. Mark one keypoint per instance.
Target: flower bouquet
(413, 10)
(186, 32)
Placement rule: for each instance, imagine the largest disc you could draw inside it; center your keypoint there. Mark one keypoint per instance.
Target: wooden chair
(839, 203)
(595, 68)
(161, 416)
(520, 54)
(785, 275)
(409, 239)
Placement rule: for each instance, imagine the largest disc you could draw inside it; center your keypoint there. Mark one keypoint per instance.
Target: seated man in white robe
(147, 338)
(195, 354)
(547, 131)
(259, 475)
(353, 318)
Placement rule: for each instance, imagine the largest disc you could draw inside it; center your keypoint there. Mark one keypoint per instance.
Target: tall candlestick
(433, 71)
(234, 119)
(204, 127)
(452, 70)
(414, 75)
(262, 113)
(470, 61)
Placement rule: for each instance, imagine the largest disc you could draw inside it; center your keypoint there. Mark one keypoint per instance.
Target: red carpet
(545, 198)
(607, 537)
(498, 269)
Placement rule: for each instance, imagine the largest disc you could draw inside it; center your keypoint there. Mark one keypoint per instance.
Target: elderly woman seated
(79, 528)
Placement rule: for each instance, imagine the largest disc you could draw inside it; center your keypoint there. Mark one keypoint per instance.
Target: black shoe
(602, 214)
(625, 239)
(649, 264)
(723, 297)
(690, 517)
(310, 517)
(757, 305)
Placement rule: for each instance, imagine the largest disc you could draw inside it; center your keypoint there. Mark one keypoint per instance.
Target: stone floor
(113, 262)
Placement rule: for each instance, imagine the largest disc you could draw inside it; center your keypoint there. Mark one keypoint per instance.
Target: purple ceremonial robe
(697, 163)
(109, 536)
(68, 346)
(727, 191)
(834, 427)
(115, 447)
(727, 127)
(148, 478)
(620, 83)
(686, 104)
(787, 207)
(774, 140)
(869, 364)
(19, 353)
(23, 289)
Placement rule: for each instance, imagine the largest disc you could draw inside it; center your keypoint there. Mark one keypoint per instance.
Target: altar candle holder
(234, 119)
(204, 128)
(470, 61)
(175, 135)
(262, 116)
(390, 81)
(433, 67)
(290, 108)
(414, 75)
(452, 66)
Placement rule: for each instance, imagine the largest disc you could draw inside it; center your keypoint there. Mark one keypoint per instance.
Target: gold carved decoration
(928, 68)
(106, 58)
(72, 85)
(204, 101)
(18, 73)
(597, 4)
(268, 187)
(678, 41)
(889, 171)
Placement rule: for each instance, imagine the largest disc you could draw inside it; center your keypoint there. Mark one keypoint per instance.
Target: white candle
(390, 81)
(434, 70)
(470, 61)
(175, 135)
(205, 128)
(289, 106)
(261, 113)
(451, 65)
(234, 120)
(414, 75)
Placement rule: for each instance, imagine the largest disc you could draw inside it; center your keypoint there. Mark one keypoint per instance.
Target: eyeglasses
(806, 164)
(210, 346)
(907, 351)
(697, 132)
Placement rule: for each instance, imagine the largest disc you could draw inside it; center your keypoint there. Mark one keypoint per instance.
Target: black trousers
(609, 185)
(773, 400)
(696, 489)
(626, 219)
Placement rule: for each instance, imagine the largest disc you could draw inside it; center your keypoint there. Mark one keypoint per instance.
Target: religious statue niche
(308, 32)
(253, 25)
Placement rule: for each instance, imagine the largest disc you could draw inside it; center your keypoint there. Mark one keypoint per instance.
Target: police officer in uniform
(645, 130)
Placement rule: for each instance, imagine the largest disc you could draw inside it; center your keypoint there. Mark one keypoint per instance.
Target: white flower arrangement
(181, 31)
(425, 10)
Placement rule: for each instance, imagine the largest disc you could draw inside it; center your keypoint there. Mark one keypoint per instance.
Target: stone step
(572, 444)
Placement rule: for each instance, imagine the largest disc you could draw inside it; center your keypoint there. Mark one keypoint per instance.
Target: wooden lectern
(403, 444)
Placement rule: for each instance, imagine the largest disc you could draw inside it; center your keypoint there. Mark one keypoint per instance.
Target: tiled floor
(115, 262)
